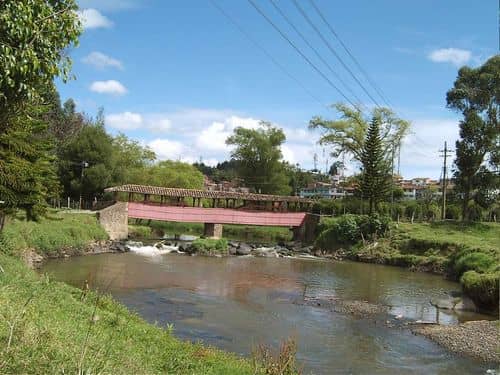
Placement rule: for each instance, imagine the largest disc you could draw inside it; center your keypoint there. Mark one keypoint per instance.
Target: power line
(368, 78)
(304, 39)
(309, 21)
(284, 36)
(263, 50)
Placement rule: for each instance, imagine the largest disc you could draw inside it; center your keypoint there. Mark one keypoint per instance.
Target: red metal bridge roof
(195, 193)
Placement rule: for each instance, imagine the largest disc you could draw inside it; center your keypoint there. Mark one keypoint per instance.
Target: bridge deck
(214, 215)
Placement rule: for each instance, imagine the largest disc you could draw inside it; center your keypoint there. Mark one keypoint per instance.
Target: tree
(34, 35)
(259, 157)
(471, 176)
(131, 161)
(347, 134)
(475, 93)
(170, 173)
(93, 146)
(375, 178)
(27, 173)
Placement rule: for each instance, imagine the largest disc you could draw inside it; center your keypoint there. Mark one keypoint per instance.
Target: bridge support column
(212, 230)
(306, 232)
(114, 220)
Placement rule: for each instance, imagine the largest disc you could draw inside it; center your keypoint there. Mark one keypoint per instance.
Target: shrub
(453, 212)
(349, 229)
(208, 245)
(475, 261)
(483, 289)
(139, 231)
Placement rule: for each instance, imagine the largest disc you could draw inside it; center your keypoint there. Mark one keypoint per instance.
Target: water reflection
(236, 303)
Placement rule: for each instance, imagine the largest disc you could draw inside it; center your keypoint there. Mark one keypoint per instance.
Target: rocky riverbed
(478, 339)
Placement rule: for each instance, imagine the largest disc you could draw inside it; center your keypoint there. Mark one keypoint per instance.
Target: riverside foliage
(468, 253)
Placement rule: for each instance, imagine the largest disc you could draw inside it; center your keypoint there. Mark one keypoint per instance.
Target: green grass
(48, 327)
(50, 235)
(209, 246)
(484, 236)
(57, 329)
(233, 232)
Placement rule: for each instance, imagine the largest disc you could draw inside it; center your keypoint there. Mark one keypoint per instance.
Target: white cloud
(108, 87)
(419, 153)
(93, 19)
(454, 56)
(102, 61)
(168, 149)
(189, 134)
(124, 121)
(156, 123)
(213, 138)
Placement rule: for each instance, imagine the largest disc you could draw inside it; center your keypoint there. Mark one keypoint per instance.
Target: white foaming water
(155, 250)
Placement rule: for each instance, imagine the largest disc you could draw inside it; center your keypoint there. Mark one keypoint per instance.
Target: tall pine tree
(375, 179)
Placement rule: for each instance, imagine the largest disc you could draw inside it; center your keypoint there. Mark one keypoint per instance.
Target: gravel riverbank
(478, 339)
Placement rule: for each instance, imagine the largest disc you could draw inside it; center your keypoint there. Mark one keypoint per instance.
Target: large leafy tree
(476, 94)
(259, 157)
(375, 179)
(34, 36)
(131, 161)
(86, 161)
(170, 173)
(347, 134)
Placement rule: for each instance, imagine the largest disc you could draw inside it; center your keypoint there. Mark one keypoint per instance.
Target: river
(236, 303)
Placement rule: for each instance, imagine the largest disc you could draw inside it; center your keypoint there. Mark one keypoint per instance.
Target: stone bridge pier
(212, 230)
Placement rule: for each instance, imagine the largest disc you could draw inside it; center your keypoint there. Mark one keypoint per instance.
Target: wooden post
(213, 203)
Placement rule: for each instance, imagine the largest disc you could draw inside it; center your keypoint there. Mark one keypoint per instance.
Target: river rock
(462, 303)
(243, 249)
(232, 250)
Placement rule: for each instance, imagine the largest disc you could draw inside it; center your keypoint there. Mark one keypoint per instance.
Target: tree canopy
(34, 35)
(375, 177)
(259, 157)
(347, 134)
(475, 93)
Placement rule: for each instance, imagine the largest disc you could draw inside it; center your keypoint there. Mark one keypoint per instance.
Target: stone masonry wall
(114, 220)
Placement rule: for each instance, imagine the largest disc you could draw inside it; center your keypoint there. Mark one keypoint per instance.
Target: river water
(236, 303)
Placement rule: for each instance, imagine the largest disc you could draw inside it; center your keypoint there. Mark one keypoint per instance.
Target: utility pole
(84, 165)
(444, 154)
(392, 180)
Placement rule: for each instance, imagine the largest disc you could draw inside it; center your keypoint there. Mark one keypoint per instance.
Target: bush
(350, 229)
(483, 289)
(208, 245)
(475, 261)
(453, 212)
(139, 231)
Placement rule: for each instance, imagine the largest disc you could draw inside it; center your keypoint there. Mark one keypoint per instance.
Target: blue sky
(179, 76)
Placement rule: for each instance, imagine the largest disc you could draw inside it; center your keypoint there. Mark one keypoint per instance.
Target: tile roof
(194, 193)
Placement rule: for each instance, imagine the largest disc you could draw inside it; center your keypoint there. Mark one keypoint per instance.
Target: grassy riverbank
(151, 228)
(51, 235)
(51, 327)
(469, 253)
